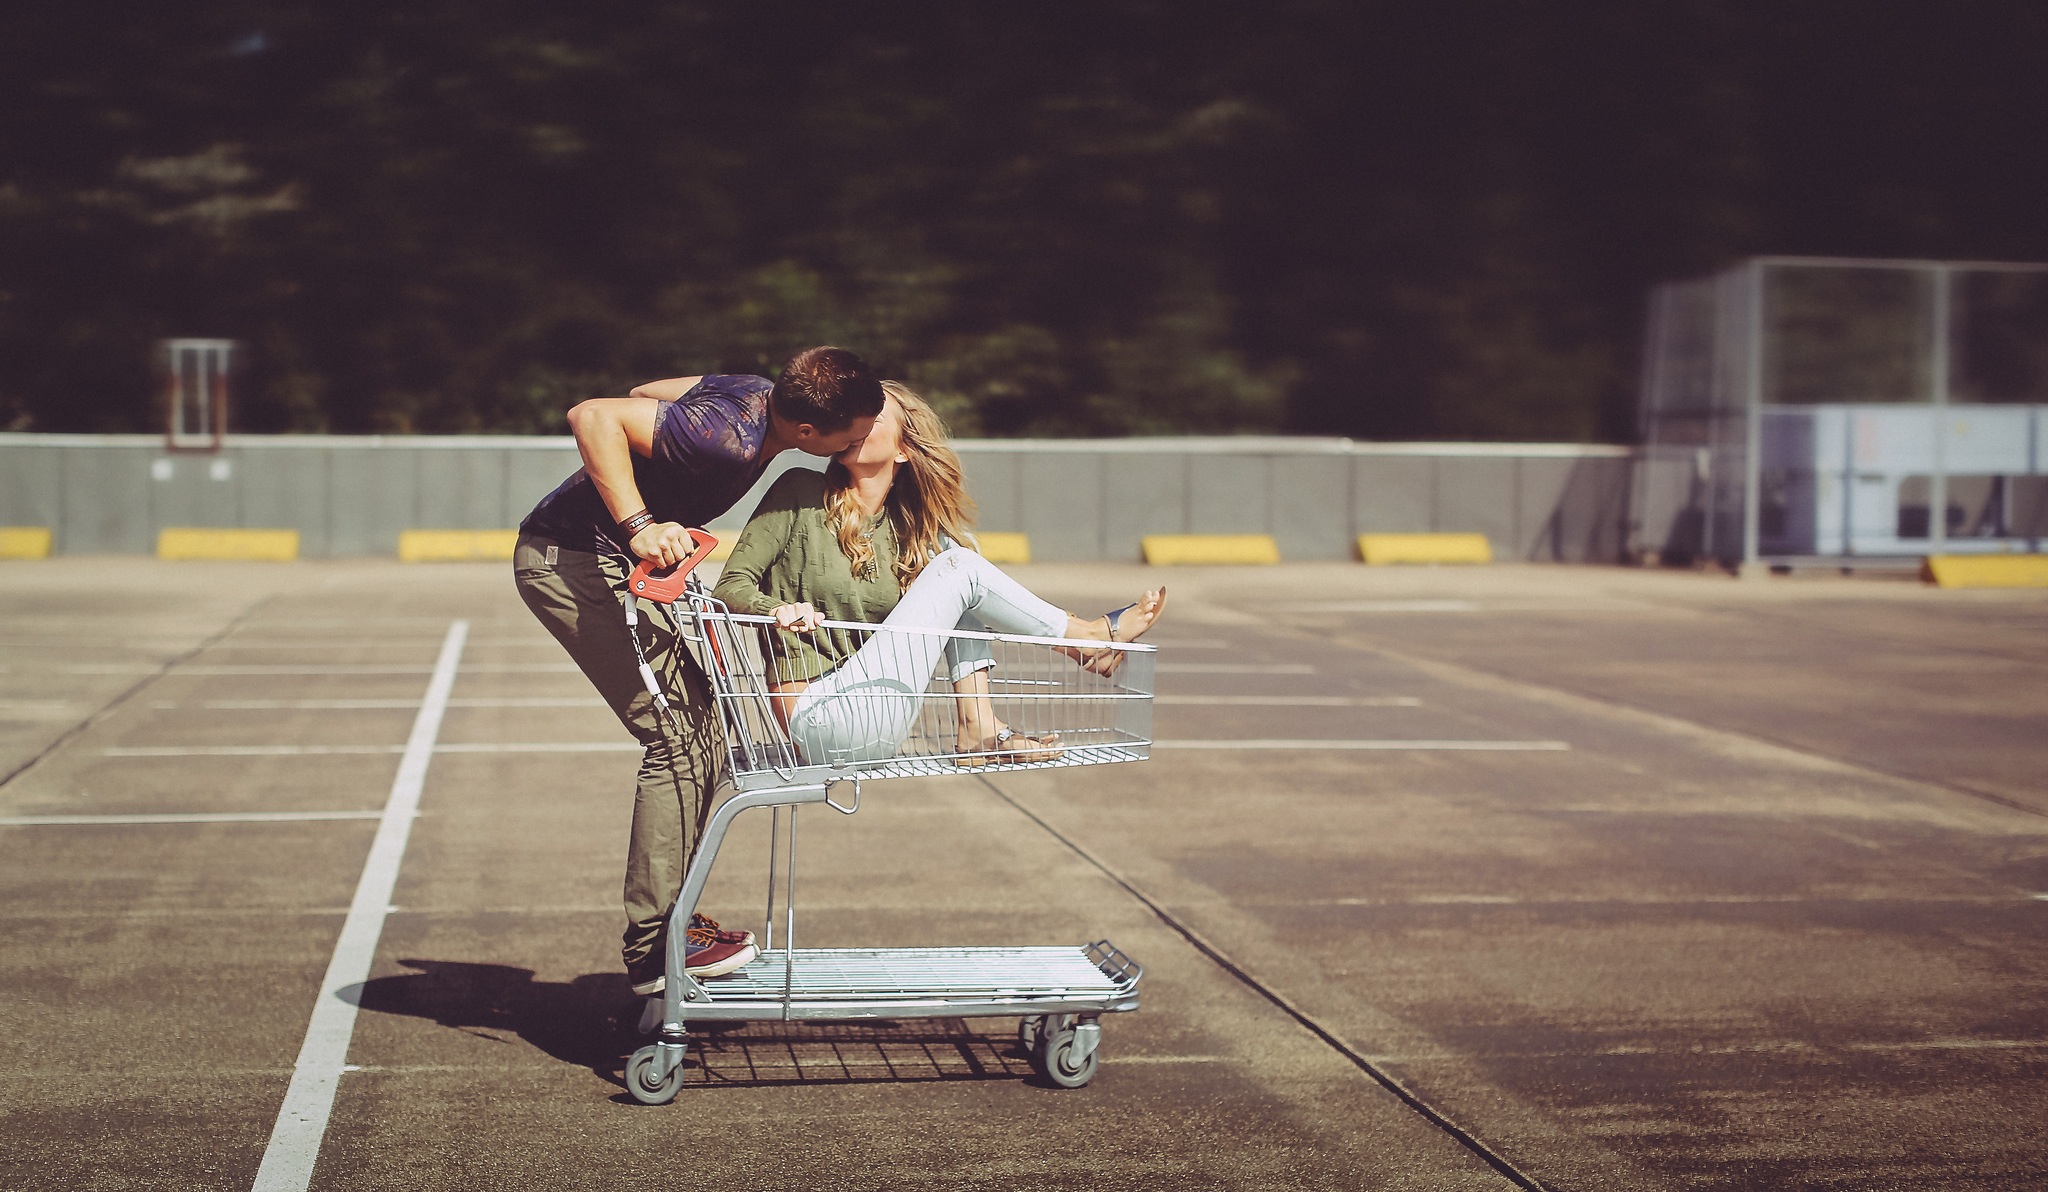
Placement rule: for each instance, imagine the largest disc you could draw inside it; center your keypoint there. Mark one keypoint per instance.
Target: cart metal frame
(1058, 993)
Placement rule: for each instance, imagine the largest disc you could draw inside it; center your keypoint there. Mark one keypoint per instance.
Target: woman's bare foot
(1126, 624)
(1003, 745)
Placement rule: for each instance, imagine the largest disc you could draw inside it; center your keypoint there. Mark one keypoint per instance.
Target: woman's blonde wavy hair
(927, 499)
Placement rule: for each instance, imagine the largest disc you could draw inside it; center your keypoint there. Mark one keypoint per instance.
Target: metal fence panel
(462, 489)
(1142, 494)
(106, 502)
(1077, 500)
(289, 489)
(31, 486)
(194, 490)
(1064, 518)
(532, 474)
(1311, 507)
(1590, 517)
(1230, 494)
(1477, 495)
(992, 480)
(1540, 487)
(1393, 494)
(376, 499)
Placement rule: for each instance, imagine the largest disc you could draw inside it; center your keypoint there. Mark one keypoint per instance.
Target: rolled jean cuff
(968, 666)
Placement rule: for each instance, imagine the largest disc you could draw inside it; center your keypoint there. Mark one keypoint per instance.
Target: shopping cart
(886, 730)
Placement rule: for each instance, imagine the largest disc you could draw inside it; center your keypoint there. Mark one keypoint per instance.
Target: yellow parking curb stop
(1986, 571)
(456, 546)
(1424, 548)
(258, 546)
(1196, 549)
(24, 542)
(1000, 547)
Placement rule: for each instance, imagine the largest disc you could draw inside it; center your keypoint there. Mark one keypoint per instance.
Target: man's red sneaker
(705, 930)
(717, 959)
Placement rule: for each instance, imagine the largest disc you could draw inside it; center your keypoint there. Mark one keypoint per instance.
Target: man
(675, 454)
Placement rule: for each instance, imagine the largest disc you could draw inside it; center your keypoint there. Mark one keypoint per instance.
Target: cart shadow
(591, 1021)
(883, 1051)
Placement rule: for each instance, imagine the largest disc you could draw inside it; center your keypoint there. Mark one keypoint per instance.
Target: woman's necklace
(871, 571)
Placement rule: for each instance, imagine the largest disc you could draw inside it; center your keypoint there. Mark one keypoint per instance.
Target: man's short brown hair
(828, 388)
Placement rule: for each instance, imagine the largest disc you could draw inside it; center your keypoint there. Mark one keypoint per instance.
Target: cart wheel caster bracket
(655, 1073)
(1070, 1052)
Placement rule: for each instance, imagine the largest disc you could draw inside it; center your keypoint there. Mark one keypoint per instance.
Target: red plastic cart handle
(665, 588)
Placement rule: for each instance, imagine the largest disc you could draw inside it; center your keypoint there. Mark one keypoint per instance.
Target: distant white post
(196, 373)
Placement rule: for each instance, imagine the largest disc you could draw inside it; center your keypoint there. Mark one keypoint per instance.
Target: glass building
(1814, 410)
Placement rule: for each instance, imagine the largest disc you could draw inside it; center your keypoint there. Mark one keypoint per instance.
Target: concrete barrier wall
(1079, 500)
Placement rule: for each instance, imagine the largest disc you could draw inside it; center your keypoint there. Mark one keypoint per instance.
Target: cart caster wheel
(1059, 1055)
(1028, 1031)
(1057, 1059)
(642, 1081)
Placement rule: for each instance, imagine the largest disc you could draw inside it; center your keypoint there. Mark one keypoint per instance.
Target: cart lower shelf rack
(839, 984)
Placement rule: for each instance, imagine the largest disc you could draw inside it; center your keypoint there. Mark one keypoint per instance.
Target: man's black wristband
(636, 523)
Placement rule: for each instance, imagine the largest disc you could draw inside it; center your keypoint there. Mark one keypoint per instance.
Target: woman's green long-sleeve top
(789, 555)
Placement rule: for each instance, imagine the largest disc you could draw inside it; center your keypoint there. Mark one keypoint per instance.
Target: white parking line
(38, 709)
(286, 669)
(1292, 744)
(352, 705)
(591, 701)
(1381, 606)
(245, 750)
(421, 644)
(1318, 744)
(1293, 701)
(302, 1120)
(1236, 668)
(481, 668)
(543, 747)
(192, 817)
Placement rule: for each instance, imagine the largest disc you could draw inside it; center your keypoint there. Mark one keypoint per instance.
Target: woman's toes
(1140, 616)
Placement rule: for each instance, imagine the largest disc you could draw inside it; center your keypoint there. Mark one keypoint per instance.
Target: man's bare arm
(668, 390)
(609, 432)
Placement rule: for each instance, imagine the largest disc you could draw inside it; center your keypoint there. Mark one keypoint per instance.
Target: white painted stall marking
(188, 817)
(1292, 701)
(1295, 744)
(245, 750)
(1318, 744)
(302, 1121)
(1236, 668)
(354, 705)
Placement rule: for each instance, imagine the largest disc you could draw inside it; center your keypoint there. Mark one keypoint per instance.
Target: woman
(879, 538)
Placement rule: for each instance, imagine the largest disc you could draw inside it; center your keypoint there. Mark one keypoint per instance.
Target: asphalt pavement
(1442, 878)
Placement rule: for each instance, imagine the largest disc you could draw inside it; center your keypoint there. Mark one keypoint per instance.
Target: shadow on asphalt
(784, 1053)
(583, 1021)
(591, 1022)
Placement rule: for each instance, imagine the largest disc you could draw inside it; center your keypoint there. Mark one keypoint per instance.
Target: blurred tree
(1394, 220)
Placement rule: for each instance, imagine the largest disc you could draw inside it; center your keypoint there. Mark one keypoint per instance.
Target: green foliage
(1117, 218)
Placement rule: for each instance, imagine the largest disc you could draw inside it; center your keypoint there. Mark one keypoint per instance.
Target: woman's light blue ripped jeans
(862, 711)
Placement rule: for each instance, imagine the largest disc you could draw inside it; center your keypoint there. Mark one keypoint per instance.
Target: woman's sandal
(1106, 662)
(1012, 746)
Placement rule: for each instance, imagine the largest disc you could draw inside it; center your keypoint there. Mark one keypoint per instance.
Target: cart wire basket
(903, 702)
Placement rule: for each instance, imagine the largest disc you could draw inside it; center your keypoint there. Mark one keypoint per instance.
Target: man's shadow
(589, 1021)
(592, 1021)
